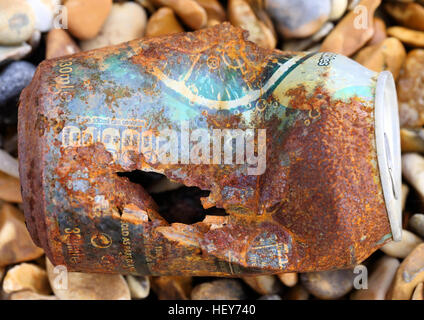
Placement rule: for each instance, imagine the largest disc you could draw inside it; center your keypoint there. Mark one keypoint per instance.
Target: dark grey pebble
(13, 79)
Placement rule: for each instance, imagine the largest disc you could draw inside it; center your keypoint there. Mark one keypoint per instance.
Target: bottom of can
(387, 133)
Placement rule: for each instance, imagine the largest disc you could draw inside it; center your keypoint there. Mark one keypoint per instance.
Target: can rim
(387, 134)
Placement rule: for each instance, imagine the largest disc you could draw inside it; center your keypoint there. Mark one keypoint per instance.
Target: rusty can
(301, 150)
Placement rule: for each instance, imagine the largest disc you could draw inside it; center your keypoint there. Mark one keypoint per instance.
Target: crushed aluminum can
(327, 196)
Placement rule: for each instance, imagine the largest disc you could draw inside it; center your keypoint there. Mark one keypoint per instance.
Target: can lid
(387, 134)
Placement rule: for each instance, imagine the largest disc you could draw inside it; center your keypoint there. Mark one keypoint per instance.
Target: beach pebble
(288, 279)
(172, 287)
(328, 284)
(14, 77)
(189, 11)
(338, 8)
(139, 286)
(30, 295)
(17, 21)
(34, 40)
(223, 289)
(10, 188)
(44, 11)
(413, 171)
(380, 31)
(263, 284)
(403, 248)
(298, 292)
(242, 15)
(405, 192)
(148, 5)
(410, 89)
(163, 22)
(352, 4)
(89, 286)
(298, 18)
(351, 33)
(386, 55)
(379, 280)
(15, 242)
(270, 297)
(126, 21)
(409, 274)
(418, 292)
(86, 17)
(14, 52)
(416, 224)
(410, 15)
(412, 140)
(8, 164)
(303, 44)
(408, 36)
(26, 276)
(214, 10)
(59, 44)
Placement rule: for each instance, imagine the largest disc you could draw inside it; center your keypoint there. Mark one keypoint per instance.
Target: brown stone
(126, 21)
(418, 292)
(386, 55)
(163, 22)
(225, 289)
(30, 295)
(88, 286)
(59, 44)
(86, 17)
(172, 287)
(408, 36)
(10, 188)
(346, 38)
(15, 242)
(410, 15)
(379, 280)
(412, 140)
(241, 15)
(148, 5)
(263, 284)
(289, 279)
(298, 292)
(409, 274)
(26, 276)
(410, 89)
(401, 249)
(380, 31)
(328, 284)
(214, 10)
(190, 12)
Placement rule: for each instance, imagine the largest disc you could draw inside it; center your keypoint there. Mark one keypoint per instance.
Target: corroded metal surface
(317, 206)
